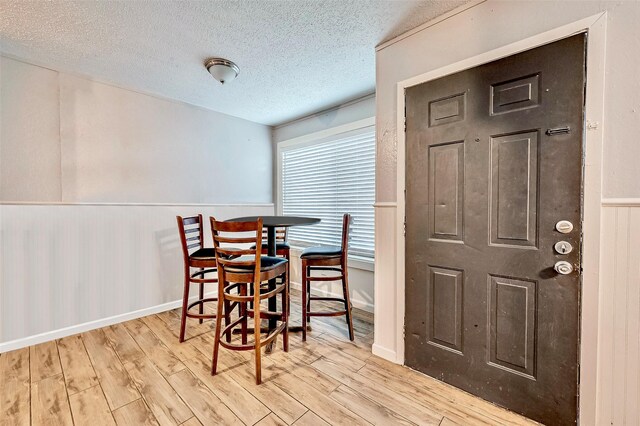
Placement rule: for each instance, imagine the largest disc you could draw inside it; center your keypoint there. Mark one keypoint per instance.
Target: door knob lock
(564, 226)
(563, 247)
(563, 267)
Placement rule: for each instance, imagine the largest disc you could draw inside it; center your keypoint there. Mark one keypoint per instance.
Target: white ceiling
(295, 57)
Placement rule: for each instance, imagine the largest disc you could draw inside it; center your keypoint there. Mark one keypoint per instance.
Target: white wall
(483, 27)
(71, 139)
(68, 268)
(361, 274)
(91, 179)
(348, 112)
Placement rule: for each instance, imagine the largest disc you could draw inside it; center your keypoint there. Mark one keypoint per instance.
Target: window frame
(311, 139)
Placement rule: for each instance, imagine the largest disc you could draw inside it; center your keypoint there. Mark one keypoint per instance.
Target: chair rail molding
(621, 202)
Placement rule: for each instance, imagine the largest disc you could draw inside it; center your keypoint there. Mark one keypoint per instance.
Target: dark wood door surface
(493, 163)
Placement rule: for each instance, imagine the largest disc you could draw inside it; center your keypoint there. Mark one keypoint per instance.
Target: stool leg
(285, 311)
(185, 302)
(308, 272)
(304, 300)
(201, 309)
(216, 337)
(243, 314)
(256, 333)
(347, 300)
(227, 319)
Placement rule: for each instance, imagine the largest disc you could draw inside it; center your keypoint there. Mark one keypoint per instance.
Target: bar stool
(247, 272)
(192, 239)
(326, 258)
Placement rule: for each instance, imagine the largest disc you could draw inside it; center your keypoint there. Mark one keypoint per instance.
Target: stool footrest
(202, 273)
(198, 303)
(201, 316)
(330, 299)
(279, 289)
(324, 268)
(326, 314)
(249, 346)
(336, 278)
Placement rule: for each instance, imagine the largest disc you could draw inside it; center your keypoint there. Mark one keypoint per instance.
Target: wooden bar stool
(326, 258)
(195, 255)
(246, 271)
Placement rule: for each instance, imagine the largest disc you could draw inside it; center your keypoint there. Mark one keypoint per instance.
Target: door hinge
(404, 226)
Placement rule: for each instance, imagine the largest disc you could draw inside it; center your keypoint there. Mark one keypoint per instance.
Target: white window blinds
(326, 180)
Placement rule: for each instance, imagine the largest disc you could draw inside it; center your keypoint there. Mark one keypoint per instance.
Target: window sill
(355, 262)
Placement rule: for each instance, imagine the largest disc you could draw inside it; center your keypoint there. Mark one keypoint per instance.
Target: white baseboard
(360, 304)
(384, 353)
(91, 325)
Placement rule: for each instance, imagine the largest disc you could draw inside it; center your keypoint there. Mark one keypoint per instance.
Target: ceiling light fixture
(221, 69)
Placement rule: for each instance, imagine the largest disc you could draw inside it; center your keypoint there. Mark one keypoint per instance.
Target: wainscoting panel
(65, 266)
(619, 335)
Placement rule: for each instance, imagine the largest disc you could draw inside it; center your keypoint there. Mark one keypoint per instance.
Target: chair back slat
(237, 240)
(192, 220)
(281, 234)
(226, 234)
(186, 227)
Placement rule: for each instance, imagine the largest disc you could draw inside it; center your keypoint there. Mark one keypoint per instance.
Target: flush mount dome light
(221, 69)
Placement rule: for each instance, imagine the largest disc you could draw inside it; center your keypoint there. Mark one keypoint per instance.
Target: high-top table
(271, 223)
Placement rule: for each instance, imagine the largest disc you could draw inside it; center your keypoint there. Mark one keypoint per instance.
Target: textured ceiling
(295, 57)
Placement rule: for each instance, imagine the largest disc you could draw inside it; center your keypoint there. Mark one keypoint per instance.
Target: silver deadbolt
(564, 226)
(563, 267)
(563, 247)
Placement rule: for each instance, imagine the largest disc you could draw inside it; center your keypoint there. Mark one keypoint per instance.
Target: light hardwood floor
(136, 373)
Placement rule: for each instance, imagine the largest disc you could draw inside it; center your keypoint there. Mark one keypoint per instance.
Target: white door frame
(595, 26)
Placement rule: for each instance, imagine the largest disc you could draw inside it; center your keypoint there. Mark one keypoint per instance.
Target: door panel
(512, 311)
(514, 189)
(446, 190)
(485, 186)
(445, 297)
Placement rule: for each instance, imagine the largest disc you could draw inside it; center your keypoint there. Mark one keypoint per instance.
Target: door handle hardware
(558, 131)
(563, 247)
(563, 267)
(564, 226)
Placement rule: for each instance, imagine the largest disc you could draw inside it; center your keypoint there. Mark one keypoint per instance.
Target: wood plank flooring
(136, 373)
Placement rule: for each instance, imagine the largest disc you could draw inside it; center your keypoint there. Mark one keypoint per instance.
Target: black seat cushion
(322, 251)
(207, 254)
(267, 263)
(204, 254)
(280, 245)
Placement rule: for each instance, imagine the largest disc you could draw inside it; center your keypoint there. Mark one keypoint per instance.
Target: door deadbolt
(563, 247)
(563, 267)
(564, 226)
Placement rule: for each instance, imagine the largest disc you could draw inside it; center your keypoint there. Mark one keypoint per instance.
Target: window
(326, 178)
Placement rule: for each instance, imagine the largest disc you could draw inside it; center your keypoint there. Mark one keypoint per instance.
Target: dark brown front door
(493, 163)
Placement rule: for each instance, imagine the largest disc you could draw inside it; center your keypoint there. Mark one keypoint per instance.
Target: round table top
(278, 220)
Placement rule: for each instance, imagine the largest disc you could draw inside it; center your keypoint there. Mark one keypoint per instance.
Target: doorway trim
(595, 26)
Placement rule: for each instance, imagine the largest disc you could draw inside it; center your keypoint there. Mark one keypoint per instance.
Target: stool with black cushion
(195, 255)
(243, 276)
(326, 258)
